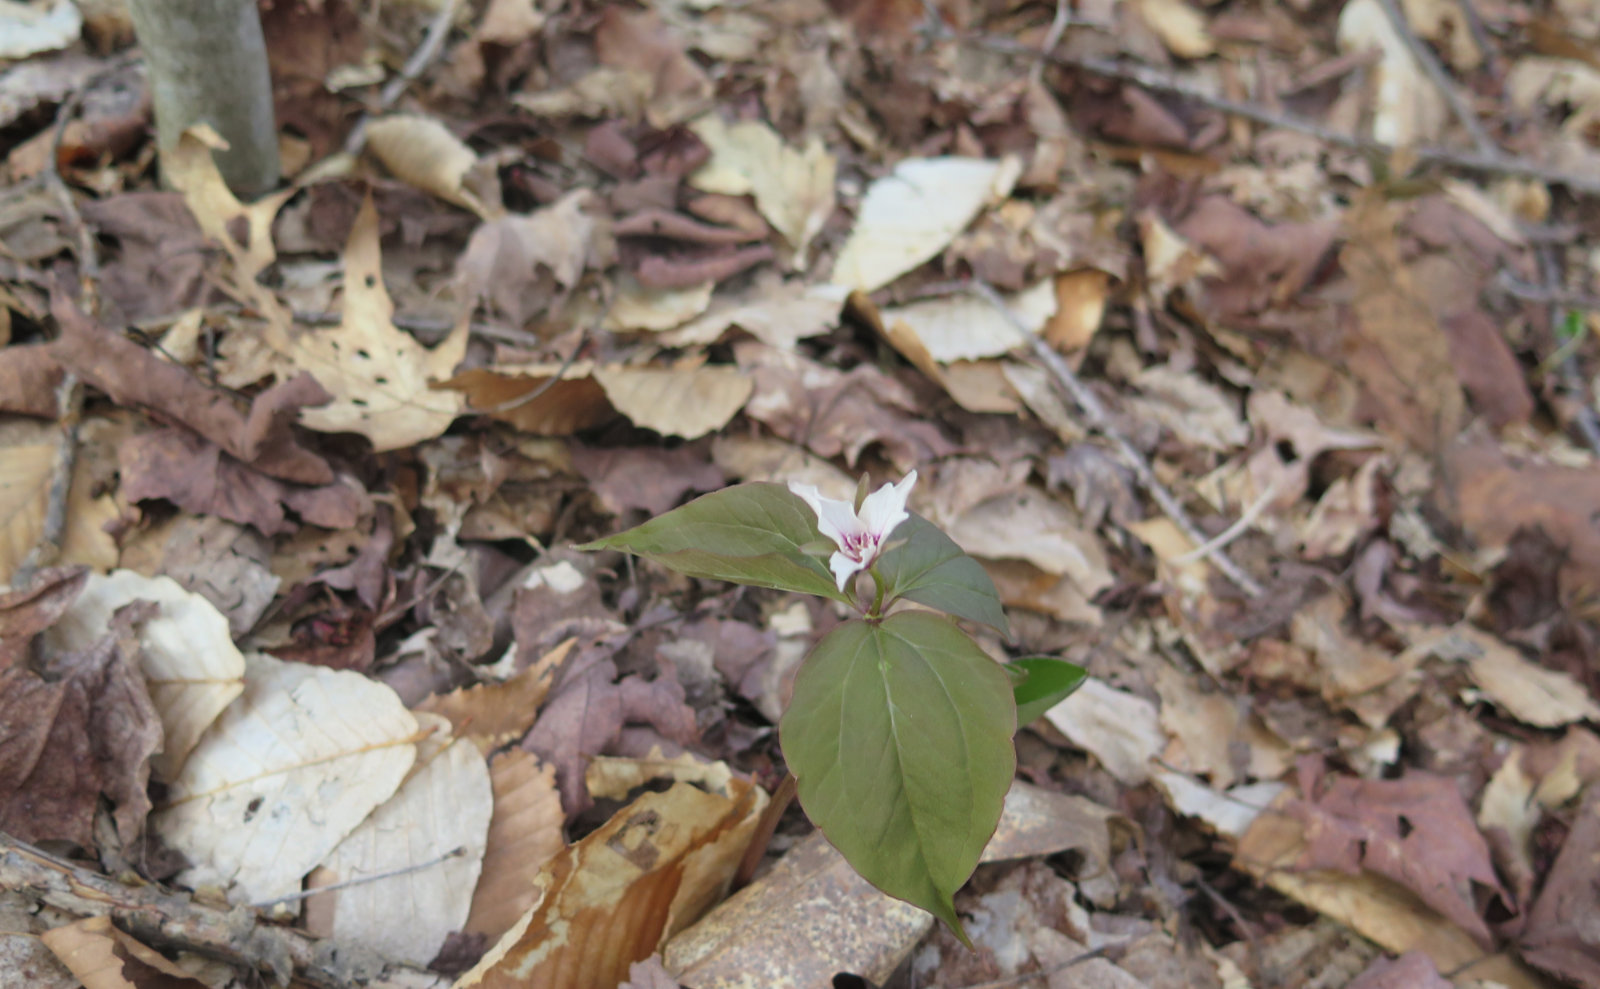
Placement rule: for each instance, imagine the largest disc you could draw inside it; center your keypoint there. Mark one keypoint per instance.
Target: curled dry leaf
(493, 714)
(616, 896)
(422, 152)
(187, 654)
(779, 315)
(911, 215)
(380, 377)
(257, 817)
(435, 825)
(103, 957)
(1530, 693)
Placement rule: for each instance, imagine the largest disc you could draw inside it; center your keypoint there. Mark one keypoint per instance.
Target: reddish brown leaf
(1560, 936)
(645, 477)
(26, 612)
(29, 376)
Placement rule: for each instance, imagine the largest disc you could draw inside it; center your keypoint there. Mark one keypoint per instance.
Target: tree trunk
(208, 64)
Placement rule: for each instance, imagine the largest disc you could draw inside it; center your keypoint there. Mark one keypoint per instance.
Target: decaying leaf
(613, 898)
(380, 377)
(1122, 730)
(676, 401)
(28, 464)
(422, 151)
(793, 189)
(256, 818)
(103, 957)
(1528, 692)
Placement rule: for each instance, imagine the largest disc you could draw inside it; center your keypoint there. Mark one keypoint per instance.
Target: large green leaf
(899, 734)
(748, 534)
(1046, 682)
(929, 568)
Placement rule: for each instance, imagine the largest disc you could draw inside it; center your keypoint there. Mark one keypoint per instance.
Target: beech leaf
(899, 734)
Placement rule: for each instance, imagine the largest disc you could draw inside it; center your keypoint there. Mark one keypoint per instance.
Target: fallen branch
(164, 919)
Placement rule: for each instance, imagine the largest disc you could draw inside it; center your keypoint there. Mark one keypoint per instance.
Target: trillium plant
(899, 732)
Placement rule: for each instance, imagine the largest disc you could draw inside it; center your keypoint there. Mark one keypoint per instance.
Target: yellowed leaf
(27, 470)
(639, 308)
(676, 401)
(1080, 306)
(1179, 26)
(379, 375)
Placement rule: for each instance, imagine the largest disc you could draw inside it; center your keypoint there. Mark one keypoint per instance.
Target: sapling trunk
(207, 61)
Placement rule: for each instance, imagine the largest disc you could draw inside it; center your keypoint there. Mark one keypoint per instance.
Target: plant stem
(877, 598)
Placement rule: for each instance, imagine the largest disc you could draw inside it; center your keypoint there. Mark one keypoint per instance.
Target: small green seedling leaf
(899, 735)
(1045, 683)
(749, 534)
(929, 568)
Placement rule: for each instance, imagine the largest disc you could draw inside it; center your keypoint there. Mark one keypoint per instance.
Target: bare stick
(1159, 81)
(1089, 402)
(162, 918)
(1440, 78)
(1552, 294)
(1245, 520)
(432, 43)
(404, 870)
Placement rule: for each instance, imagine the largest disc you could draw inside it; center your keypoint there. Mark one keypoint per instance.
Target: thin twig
(164, 919)
(1238, 528)
(1440, 78)
(1058, 27)
(1100, 419)
(360, 880)
(432, 43)
(1159, 81)
(546, 385)
(1480, 37)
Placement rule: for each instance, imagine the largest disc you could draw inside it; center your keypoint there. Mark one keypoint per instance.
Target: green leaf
(749, 534)
(899, 734)
(1047, 682)
(929, 568)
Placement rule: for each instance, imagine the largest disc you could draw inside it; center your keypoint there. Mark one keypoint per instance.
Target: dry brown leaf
(492, 714)
(1409, 109)
(637, 307)
(577, 401)
(524, 833)
(422, 152)
(1528, 692)
(688, 401)
(503, 259)
(1122, 730)
(379, 375)
(103, 957)
(616, 896)
(1181, 28)
(1080, 306)
(1030, 525)
(778, 314)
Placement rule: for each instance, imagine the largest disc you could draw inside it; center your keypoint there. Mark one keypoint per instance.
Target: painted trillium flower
(861, 535)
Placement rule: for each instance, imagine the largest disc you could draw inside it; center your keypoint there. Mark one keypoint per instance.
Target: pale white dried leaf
(1031, 525)
(30, 28)
(1409, 109)
(777, 315)
(422, 152)
(911, 215)
(442, 809)
(289, 769)
(186, 652)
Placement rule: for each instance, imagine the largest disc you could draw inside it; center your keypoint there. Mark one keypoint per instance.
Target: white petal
(843, 568)
(885, 508)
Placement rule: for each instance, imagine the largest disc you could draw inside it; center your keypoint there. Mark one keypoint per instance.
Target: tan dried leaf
(493, 714)
(1530, 693)
(27, 469)
(676, 401)
(793, 188)
(1031, 525)
(379, 375)
(1122, 730)
(524, 833)
(1409, 108)
(577, 401)
(422, 152)
(97, 952)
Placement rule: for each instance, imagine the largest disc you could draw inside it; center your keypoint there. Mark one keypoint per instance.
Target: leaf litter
(1299, 294)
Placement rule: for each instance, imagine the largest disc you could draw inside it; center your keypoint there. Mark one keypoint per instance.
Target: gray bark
(208, 64)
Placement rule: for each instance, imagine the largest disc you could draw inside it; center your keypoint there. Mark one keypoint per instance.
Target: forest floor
(1251, 346)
